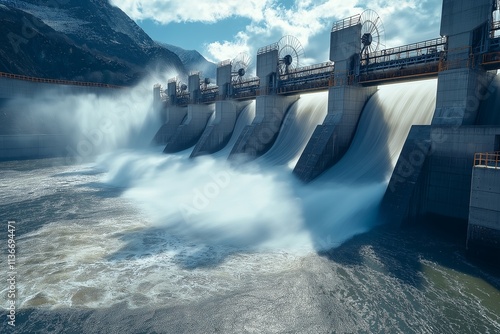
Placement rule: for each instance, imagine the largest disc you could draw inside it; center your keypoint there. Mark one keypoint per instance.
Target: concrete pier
(189, 132)
(171, 114)
(461, 83)
(270, 110)
(331, 139)
(174, 116)
(483, 232)
(258, 137)
(459, 94)
(434, 172)
(217, 134)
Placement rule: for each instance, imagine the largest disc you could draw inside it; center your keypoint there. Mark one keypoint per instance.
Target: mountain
(194, 61)
(83, 40)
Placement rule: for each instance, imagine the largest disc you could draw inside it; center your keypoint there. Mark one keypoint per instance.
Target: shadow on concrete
(487, 113)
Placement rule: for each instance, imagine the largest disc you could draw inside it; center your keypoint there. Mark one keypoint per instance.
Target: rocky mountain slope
(83, 40)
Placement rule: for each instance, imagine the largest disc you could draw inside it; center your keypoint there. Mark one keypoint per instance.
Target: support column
(402, 199)
(258, 137)
(224, 78)
(270, 110)
(483, 235)
(194, 87)
(461, 84)
(459, 94)
(332, 139)
(189, 132)
(174, 116)
(217, 135)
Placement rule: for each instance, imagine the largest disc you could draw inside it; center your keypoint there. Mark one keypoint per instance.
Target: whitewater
(136, 230)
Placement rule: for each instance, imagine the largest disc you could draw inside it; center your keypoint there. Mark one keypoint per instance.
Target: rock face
(83, 40)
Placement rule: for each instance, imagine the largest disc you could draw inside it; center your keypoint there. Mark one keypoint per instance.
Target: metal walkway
(407, 62)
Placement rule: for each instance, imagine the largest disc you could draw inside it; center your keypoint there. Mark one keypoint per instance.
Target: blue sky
(192, 35)
(220, 29)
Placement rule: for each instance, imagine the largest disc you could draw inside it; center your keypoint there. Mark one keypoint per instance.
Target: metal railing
(487, 160)
(491, 58)
(248, 82)
(429, 47)
(309, 71)
(224, 63)
(209, 94)
(347, 22)
(57, 81)
(401, 74)
(268, 48)
(245, 89)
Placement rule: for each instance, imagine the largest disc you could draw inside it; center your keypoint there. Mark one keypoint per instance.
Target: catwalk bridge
(408, 62)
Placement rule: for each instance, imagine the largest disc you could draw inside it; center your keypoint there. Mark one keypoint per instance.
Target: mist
(253, 207)
(260, 205)
(91, 123)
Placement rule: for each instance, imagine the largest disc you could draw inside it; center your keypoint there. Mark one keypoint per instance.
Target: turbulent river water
(135, 241)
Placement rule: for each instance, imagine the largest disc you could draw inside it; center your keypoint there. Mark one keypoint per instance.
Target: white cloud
(227, 50)
(407, 22)
(167, 11)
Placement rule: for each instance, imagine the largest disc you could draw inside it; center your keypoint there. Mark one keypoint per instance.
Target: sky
(221, 29)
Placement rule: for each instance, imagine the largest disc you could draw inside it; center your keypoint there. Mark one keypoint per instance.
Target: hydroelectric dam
(448, 168)
(327, 198)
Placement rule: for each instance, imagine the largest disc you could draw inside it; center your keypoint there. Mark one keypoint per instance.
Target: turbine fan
(205, 83)
(239, 67)
(180, 87)
(289, 51)
(372, 33)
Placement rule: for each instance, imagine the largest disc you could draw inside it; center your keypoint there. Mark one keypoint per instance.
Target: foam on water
(154, 229)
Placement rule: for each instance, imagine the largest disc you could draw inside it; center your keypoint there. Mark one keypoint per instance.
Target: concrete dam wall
(24, 132)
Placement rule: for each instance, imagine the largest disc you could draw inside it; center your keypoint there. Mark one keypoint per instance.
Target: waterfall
(260, 206)
(298, 126)
(166, 216)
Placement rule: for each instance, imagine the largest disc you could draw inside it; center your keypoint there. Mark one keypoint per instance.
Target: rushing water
(138, 241)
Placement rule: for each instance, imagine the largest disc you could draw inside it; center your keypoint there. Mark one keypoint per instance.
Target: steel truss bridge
(408, 62)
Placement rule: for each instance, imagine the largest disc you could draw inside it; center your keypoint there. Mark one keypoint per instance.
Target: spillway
(298, 126)
(245, 118)
(142, 231)
(382, 131)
